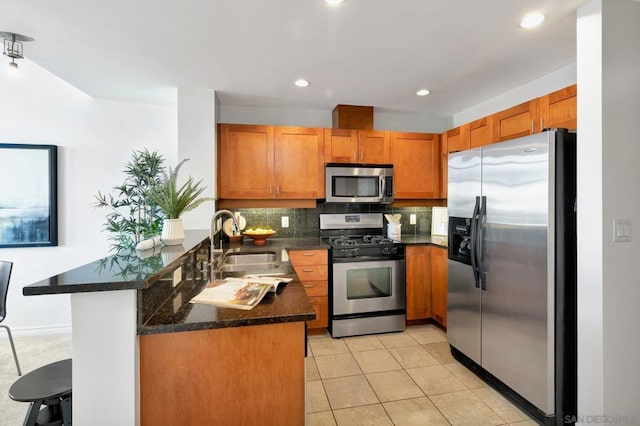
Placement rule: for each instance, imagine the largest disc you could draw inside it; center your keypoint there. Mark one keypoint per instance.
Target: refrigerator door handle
(474, 231)
(480, 242)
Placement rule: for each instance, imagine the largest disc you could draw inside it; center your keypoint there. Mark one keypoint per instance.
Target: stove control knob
(386, 250)
(394, 250)
(354, 252)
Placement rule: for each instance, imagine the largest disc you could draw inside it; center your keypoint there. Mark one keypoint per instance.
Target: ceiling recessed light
(301, 83)
(532, 20)
(333, 3)
(422, 92)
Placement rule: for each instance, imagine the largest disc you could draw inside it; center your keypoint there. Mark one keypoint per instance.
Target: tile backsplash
(306, 222)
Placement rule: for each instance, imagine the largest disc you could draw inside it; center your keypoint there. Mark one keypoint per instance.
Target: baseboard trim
(38, 331)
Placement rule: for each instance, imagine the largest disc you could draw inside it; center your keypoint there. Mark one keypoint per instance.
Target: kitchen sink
(252, 261)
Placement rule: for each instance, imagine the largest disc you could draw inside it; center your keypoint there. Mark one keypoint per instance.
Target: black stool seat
(49, 385)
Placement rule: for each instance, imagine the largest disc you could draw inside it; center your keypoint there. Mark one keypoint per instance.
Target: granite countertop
(120, 271)
(289, 304)
(428, 239)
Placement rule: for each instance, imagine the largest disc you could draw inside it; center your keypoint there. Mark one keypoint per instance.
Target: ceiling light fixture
(301, 83)
(532, 20)
(13, 46)
(422, 92)
(333, 3)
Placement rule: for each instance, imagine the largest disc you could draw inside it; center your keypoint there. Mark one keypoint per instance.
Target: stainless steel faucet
(213, 230)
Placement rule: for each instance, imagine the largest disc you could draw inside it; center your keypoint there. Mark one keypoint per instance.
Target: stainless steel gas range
(367, 275)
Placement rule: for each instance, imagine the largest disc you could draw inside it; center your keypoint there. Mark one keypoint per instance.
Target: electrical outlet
(177, 276)
(285, 221)
(412, 219)
(284, 256)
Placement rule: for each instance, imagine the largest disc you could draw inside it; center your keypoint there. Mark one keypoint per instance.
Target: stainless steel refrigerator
(512, 269)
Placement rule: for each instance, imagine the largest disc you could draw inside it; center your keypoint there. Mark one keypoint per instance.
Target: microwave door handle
(383, 184)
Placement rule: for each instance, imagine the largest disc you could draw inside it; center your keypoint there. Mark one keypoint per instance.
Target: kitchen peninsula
(143, 354)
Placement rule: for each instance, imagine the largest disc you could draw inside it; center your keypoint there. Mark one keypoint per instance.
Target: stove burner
(376, 239)
(342, 241)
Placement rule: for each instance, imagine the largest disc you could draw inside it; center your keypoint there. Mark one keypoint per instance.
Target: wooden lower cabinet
(426, 278)
(312, 269)
(418, 280)
(439, 285)
(228, 376)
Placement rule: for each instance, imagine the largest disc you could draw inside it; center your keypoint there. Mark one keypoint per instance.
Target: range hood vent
(352, 117)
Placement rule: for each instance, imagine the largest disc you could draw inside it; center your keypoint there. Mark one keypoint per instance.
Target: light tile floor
(407, 378)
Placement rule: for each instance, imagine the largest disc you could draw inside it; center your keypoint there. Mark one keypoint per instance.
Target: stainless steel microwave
(359, 183)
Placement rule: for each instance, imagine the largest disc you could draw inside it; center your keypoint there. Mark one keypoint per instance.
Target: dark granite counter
(120, 271)
(168, 309)
(425, 239)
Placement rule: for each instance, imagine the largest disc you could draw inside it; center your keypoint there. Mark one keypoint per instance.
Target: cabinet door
(416, 165)
(341, 145)
(439, 285)
(559, 109)
(515, 122)
(480, 132)
(299, 162)
(373, 147)
(245, 162)
(458, 139)
(418, 278)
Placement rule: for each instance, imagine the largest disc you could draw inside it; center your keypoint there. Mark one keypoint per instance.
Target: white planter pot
(172, 232)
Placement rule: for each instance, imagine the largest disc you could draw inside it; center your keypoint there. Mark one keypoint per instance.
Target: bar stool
(48, 386)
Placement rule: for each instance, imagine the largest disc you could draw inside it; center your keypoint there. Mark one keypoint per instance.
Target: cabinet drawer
(316, 288)
(321, 306)
(308, 257)
(312, 272)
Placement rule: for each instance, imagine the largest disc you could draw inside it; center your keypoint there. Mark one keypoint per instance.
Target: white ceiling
(367, 52)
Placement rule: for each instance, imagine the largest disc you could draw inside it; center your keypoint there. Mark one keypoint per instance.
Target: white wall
(608, 179)
(621, 199)
(382, 120)
(95, 140)
(548, 83)
(196, 141)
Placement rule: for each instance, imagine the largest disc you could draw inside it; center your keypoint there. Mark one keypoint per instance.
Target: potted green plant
(132, 216)
(173, 201)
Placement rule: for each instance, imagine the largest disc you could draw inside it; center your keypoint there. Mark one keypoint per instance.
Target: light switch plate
(412, 219)
(285, 221)
(284, 256)
(621, 230)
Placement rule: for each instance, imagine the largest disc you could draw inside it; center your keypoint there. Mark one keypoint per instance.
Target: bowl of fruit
(259, 234)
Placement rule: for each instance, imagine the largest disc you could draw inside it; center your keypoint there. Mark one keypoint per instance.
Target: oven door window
(356, 186)
(369, 283)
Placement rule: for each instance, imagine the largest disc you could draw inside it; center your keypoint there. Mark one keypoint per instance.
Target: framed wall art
(28, 195)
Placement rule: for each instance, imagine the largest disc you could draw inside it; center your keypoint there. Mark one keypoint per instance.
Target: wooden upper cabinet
(480, 132)
(416, 165)
(356, 146)
(458, 138)
(373, 146)
(517, 121)
(559, 109)
(245, 161)
(341, 145)
(267, 162)
(299, 162)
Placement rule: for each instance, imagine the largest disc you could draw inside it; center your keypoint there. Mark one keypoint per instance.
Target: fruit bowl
(259, 235)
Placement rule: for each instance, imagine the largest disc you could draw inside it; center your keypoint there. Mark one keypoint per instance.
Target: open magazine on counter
(240, 293)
